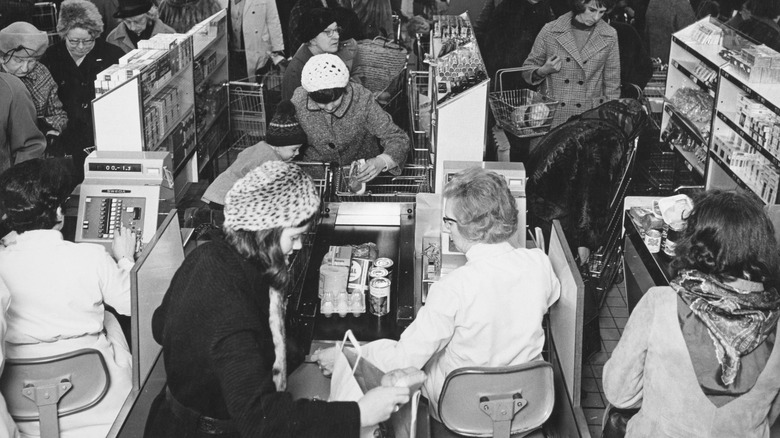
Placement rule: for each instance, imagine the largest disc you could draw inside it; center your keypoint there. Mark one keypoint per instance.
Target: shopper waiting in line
(227, 367)
(74, 64)
(139, 22)
(21, 45)
(282, 142)
(662, 19)
(20, 138)
(486, 313)
(256, 40)
(299, 9)
(762, 25)
(698, 356)
(578, 59)
(375, 18)
(344, 123)
(321, 34)
(58, 289)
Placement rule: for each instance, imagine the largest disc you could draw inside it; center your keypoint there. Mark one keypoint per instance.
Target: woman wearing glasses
(320, 33)
(487, 312)
(21, 45)
(74, 64)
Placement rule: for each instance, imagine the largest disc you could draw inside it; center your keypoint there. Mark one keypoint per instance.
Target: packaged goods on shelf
(707, 33)
(756, 64)
(693, 103)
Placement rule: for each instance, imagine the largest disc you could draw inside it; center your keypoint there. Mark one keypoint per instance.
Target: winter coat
(20, 138)
(577, 168)
(359, 128)
(119, 37)
(636, 67)
(663, 18)
(261, 32)
(588, 77)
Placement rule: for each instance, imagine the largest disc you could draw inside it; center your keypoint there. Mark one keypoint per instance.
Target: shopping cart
(414, 179)
(45, 19)
(524, 113)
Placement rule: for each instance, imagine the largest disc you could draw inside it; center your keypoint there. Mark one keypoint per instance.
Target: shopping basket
(524, 113)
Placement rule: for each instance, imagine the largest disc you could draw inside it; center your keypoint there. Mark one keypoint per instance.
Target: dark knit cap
(313, 22)
(284, 129)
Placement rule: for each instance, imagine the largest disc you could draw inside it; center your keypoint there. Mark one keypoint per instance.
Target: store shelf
(735, 176)
(685, 123)
(706, 53)
(172, 127)
(692, 163)
(174, 77)
(745, 136)
(765, 94)
(210, 123)
(213, 44)
(687, 70)
(213, 72)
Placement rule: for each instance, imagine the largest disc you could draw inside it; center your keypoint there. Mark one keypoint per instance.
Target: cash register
(134, 189)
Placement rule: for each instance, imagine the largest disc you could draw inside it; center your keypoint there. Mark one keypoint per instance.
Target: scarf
(276, 322)
(738, 320)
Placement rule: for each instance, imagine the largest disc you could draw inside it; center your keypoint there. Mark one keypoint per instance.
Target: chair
(496, 402)
(44, 389)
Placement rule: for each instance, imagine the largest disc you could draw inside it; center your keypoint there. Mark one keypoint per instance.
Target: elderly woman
(21, 45)
(344, 123)
(58, 289)
(227, 368)
(485, 313)
(139, 22)
(577, 57)
(74, 64)
(321, 34)
(698, 355)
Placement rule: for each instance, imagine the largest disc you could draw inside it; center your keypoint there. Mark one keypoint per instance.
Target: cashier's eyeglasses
(331, 32)
(84, 43)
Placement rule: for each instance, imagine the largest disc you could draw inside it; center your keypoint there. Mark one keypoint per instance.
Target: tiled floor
(612, 320)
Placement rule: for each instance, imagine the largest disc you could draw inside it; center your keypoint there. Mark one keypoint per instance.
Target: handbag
(378, 63)
(353, 376)
(615, 421)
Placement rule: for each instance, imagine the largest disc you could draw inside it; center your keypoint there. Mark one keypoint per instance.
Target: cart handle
(499, 77)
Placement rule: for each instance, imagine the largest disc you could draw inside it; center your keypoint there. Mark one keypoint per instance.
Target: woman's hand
(370, 170)
(552, 65)
(379, 403)
(123, 245)
(325, 359)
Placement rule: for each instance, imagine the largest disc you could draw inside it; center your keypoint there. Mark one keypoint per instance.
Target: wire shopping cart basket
(414, 179)
(524, 113)
(45, 19)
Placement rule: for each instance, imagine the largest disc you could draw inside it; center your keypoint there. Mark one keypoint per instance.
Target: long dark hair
(263, 247)
(729, 235)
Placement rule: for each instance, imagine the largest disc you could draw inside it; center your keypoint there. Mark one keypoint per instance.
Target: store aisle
(612, 319)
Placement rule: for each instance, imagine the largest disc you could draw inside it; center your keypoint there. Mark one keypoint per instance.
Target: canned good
(672, 234)
(377, 272)
(653, 241)
(384, 262)
(379, 291)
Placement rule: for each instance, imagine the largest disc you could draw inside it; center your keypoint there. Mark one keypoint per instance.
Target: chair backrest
(44, 389)
(474, 400)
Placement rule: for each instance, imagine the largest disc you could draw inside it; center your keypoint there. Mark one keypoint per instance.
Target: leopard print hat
(274, 194)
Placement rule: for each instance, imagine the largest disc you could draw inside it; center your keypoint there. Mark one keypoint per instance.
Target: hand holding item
(369, 170)
(381, 402)
(552, 65)
(409, 377)
(123, 244)
(325, 359)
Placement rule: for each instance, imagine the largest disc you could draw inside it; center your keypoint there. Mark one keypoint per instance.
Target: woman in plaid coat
(578, 59)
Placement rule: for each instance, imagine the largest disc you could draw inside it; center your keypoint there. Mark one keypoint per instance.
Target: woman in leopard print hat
(221, 325)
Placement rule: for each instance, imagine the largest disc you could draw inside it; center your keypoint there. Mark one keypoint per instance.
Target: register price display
(115, 167)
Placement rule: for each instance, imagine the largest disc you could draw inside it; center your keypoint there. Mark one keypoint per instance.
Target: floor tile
(621, 311)
(587, 372)
(595, 431)
(607, 322)
(591, 400)
(609, 334)
(589, 384)
(609, 346)
(604, 312)
(593, 416)
(620, 322)
(616, 301)
(599, 358)
(598, 370)
(600, 385)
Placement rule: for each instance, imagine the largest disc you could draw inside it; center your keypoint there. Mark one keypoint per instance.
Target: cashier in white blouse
(59, 289)
(487, 312)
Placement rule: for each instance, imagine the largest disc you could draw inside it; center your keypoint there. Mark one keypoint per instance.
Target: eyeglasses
(448, 220)
(330, 32)
(84, 43)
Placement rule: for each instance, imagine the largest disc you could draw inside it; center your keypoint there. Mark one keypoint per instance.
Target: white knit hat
(274, 194)
(324, 71)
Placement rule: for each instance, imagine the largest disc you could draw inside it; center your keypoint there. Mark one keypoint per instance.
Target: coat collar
(485, 250)
(342, 109)
(562, 32)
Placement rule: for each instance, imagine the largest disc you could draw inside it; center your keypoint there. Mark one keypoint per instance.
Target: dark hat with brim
(132, 8)
(23, 39)
(313, 22)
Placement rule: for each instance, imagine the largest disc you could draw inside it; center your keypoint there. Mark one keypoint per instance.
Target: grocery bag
(353, 376)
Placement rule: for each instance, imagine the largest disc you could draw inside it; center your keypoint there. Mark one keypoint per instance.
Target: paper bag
(353, 376)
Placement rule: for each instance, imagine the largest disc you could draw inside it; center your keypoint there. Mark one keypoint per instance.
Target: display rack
(210, 76)
(738, 144)
(456, 100)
